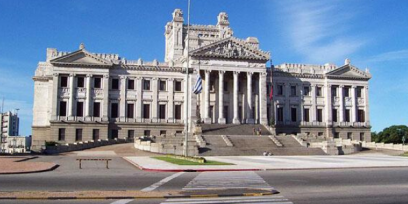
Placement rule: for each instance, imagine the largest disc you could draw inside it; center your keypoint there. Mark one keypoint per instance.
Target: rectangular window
(95, 134)
(131, 84)
(336, 135)
(114, 110)
(293, 90)
(114, 133)
(162, 132)
(146, 85)
(349, 135)
(280, 90)
(361, 136)
(306, 116)
(61, 134)
(306, 90)
(346, 91)
(115, 84)
(64, 81)
(131, 134)
(347, 115)
(177, 112)
(80, 109)
(130, 110)
(334, 91)
(361, 116)
(162, 85)
(80, 82)
(146, 111)
(162, 111)
(293, 113)
(177, 86)
(212, 85)
(280, 114)
(63, 108)
(146, 132)
(97, 82)
(97, 109)
(78, 134)
(225, 85)
(319, 91)
(359, 92)
(334, 115)
(319, 115)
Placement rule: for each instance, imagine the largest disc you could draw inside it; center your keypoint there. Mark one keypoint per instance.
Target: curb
(140, 197)
(30, 172)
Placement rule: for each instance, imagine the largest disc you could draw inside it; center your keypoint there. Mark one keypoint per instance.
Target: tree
(392, 134)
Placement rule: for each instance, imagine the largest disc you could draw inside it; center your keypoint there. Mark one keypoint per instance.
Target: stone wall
(167, 145)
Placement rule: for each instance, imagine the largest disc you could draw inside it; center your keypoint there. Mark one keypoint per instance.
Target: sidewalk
(20, 165)
(258, 163)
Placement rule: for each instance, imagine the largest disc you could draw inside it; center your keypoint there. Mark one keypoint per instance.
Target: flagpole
(187, 82)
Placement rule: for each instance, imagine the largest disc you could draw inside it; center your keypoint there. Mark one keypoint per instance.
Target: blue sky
(372, 34)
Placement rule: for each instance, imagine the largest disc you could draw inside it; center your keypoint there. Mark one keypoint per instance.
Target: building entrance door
(212, 114)
(226, 114)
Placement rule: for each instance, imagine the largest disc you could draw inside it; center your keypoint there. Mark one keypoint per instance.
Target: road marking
(163, 181)
(255, 199)
(124, 201)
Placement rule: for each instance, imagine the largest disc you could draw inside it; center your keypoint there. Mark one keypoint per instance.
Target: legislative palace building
(83, 96)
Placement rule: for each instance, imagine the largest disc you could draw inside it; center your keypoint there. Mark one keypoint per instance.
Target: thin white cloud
(319, 31)
(390, 56)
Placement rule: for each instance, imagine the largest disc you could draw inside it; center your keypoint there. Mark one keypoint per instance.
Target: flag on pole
(271, 93)
(198, 85)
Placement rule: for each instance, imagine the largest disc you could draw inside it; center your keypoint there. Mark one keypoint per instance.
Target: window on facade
(146, 132)
(349, 135)
(80, 109)
(162, 132)
(225, 85)
(61, 134)
(162, 85)
(334, 115)
(177, 112)
(146, 111)
(346, 91)
(114, 133)
(336, 135)
(293, 113)
(319, 91)
(131, 134)
(306, 116)
(64, 81)
(115, 84)
(293, 90)
(97, 109)
(146, 85)
(280, 114)
(131, 84)
(347, 114)
(359, 89)
(63, 108)
(362, 136)
(319, 115)
(306, 90)
(212, 85)
(130, 110)
(320, 134)
(280, 90)
(97, 82)
(78, 134)
(95, 134)
(361, 116)
(162, 111)
(177, 86)
(179, 131)
(80, 82)
(334, 91)
(114, 110)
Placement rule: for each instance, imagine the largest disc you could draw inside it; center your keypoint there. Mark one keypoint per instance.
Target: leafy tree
(392, 134)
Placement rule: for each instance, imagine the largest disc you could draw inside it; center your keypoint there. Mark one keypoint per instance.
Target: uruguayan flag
(198, 86)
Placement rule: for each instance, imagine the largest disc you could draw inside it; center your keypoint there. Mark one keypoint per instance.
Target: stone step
(230, 129)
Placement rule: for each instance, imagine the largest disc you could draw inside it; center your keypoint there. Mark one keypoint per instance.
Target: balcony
(63, 92)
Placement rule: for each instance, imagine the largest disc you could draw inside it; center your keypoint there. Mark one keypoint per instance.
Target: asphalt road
(376, 185)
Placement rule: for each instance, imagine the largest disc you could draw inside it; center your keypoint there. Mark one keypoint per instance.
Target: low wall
(381, 145)
(167, 148)
(81, 146)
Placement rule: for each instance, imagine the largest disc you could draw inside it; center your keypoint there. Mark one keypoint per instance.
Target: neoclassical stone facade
(82, 96)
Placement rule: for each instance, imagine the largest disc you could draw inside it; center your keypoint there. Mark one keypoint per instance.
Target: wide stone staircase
(292, 147)
(230, 129)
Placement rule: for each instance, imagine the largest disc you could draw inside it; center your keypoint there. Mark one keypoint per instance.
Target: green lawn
(186, 162)
(405, 154)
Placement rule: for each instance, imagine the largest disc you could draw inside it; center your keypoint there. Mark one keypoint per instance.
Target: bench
(107, 161)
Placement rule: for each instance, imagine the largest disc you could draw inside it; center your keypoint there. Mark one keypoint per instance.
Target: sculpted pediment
(81, 58)
(231, 48)
(348, 71)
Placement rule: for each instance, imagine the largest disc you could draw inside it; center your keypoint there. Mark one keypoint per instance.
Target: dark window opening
(78, 135)
(146, 132)
(293, 90)
(178, 86)
(162, 132)
(114, 134)
(306, 115)
(293, 113)
(146, 111)
(131, 84)
(61, 134)
(280, 114)
(162, 86)
(146, 85)
(177, 112)
(306, 90)
(95, 134)
(319, 91)
(64, 81)
(130, 111)
(347, 115)
(96, 109)
(334, 115)
(114, 110)
(80, 82)
(361, 116)
(97, 83)
(131, 134)
(115, 84)
(63, 108)
(319, 115)
(162, 111)
(80, 109)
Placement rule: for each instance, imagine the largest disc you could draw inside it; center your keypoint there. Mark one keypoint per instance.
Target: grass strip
(186, 162)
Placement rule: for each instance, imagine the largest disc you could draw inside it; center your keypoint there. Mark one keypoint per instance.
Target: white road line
(230, 200)
(225, 198)
(163, 181)
(124, 201)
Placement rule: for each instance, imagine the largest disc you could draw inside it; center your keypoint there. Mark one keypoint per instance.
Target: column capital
(72, 74)
(89, 75)
(353, 86)
(207, 71)
(262, 73)
(236, 72)
(170, 79)
(250, 73)
(221, 72)
(341, 86)
(123, 77)
(55, 74)
(139, 78)
(155, 78)
(366, 87)
(106, 76)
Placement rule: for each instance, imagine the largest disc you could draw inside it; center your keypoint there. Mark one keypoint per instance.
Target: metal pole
(187, 82)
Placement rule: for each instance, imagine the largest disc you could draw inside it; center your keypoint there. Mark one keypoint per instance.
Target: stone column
(250, 118)
(139, 99)
(55, 91)
(221, 119)
(105, 103)
(341, 103)
(207, 118)
(263, 118)
(353, 104)
(328, 105)
(71, 97)
(170, 104)
(301, 96)
(313, 108)
(122, 103)
(88, 100)
(155, 89)
(287, 116)
(235, 120)
(366, 106)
